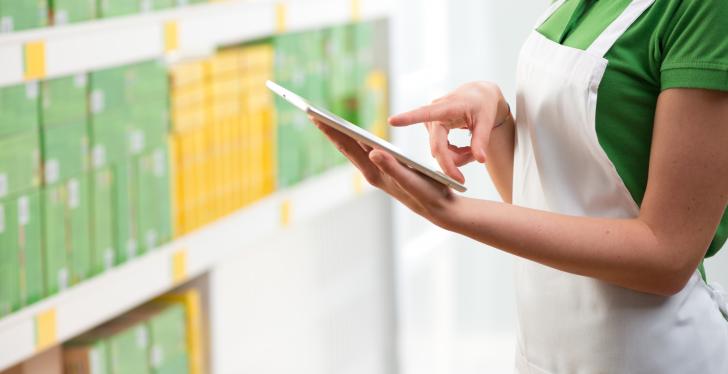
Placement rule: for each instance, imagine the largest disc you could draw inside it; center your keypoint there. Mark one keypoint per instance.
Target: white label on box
(151, 239)
(157, 356)
(159, 163)
(52, 171)
(98, 155)
(63, 279)
(108, 258)
(3, 184)
(98, 101)
(31, 90)
(2, 218)
(6, 24)
(23, 210)
(142, 339)
(74, 194)
(79, 80)
(61, 17)
(136, 142)
(131, 248)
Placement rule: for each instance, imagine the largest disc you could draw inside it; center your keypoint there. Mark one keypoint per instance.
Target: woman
(614, 175)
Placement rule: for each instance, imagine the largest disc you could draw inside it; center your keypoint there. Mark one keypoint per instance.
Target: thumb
(479, 141)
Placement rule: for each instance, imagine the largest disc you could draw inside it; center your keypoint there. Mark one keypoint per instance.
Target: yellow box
(224, 62)
(186, 74)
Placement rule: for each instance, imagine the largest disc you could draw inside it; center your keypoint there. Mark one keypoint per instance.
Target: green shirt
(674, 44)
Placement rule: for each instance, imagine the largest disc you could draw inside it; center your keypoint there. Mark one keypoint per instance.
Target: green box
(127, 246)
(19, 106)
(341, 85)
(148, 94)
(67, 254)
(128, 350)
(65, 152)
(21, 275)
(291, 137)
(129, 111)
(147, 80)
(9, 274)
(168, 333)
(109, 117)
(20, 166)
(70, 11)
(22, 15)
(114, 8)
(153, 199)
(151, 5)
(63, 101)
(103, 216)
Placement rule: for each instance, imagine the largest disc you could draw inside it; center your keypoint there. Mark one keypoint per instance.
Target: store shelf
(99, 299)
(177, 34)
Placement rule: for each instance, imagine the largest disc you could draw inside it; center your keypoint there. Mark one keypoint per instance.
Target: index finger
(442, 111)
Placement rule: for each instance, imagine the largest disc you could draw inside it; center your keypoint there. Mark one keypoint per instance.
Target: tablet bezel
(362, 135)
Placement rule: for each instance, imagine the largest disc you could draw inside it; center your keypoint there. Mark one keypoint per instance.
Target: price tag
(356, 10)
(281, 15)
(35, 61)
(179, 266)
(46, 333)
(285, 214)
(171, 36)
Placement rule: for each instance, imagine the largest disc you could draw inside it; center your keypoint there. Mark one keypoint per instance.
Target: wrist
(447, 215)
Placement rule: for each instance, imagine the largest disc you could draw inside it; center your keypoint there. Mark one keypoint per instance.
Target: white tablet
(362, 136)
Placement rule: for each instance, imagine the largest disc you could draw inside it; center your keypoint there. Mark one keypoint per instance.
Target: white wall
(317, 299)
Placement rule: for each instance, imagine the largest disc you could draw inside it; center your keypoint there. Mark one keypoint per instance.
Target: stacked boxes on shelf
(299, 67)
(21, 275)
(161, 337)
(371, 78)
(223, 134)
(84, 161)
(336, 68)
(259, 169)
(189, 153)
(224, 140)
(66, 194)
(129, 122)
(21, 15)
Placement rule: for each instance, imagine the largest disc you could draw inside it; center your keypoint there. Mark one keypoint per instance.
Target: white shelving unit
(177, 34)
(74, 311)
(174, 34)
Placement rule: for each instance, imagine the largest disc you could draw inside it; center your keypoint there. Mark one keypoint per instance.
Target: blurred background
(162, 212)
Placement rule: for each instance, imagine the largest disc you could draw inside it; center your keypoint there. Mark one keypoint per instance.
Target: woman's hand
(425, 197)
(477, 106)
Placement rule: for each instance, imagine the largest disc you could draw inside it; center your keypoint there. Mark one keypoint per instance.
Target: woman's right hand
(478, 107)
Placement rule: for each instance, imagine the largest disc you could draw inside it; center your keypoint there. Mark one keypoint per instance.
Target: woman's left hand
(425, 197)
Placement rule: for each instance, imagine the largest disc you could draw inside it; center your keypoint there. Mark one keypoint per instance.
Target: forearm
(625, 252)
(499, 158)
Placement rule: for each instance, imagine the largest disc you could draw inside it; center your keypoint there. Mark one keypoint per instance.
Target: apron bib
(570, 323)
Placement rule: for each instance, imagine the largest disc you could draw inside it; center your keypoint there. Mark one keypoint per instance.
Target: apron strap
(606, 40)
(549, 12)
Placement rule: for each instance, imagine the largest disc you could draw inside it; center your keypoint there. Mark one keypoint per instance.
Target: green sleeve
(695, 46)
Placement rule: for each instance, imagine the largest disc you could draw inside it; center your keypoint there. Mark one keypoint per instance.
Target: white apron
(574, 324)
